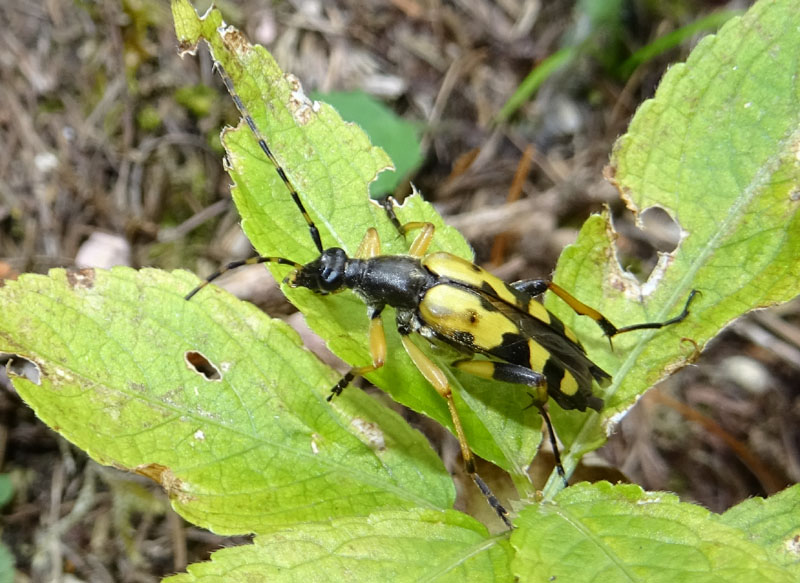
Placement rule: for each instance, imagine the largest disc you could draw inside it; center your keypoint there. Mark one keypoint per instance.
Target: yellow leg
(422, 241)
(370, 245)
(537, 286)
(377, 342)
(582, 309)
(434, 375)
(513, 373)
(377, 350)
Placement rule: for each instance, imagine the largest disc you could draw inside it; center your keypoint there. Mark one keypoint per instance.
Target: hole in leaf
(638, 249)
(20, 366)
(661, 229)
(201, 365)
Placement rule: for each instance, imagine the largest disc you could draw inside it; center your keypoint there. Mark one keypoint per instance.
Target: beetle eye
(330, 274)
(330, 269)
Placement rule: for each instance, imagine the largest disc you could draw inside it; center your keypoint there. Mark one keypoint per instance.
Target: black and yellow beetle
(502, 332)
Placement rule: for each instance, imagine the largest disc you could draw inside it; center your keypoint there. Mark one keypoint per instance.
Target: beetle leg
(679, 318)
(514, 373)
(421, 243)
(370, 245)
(388, 204)
(434, 375)
(532, 287)
(419, 247)
(538, 286)
(377, 349)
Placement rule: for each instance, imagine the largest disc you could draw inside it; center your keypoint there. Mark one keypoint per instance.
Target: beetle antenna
(235, 264)
(245, 113)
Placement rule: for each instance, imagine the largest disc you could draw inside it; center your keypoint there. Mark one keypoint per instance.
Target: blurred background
(507, 112)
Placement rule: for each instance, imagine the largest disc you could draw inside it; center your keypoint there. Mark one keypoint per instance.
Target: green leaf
(409, 546)
(773, 523)
(540, 73)
(717, 149)
(249, 446)
(6, 489)
(226, 409)
(596, 32)
(608, 533)
(6, 558)
(398, 137)
(198, 99)
(672, 39)
(331, 164)
(6, 565)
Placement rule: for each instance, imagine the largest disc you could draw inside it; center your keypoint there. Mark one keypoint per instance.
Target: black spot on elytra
(464, 339)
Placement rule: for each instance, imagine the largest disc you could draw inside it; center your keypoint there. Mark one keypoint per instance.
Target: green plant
(348, 489)
(396, 136)
(6, 558)
(600, 24)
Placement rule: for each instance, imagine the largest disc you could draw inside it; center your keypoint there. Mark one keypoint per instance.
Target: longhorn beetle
(448, 300)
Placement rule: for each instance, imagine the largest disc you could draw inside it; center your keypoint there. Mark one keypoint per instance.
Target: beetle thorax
(394, 280)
